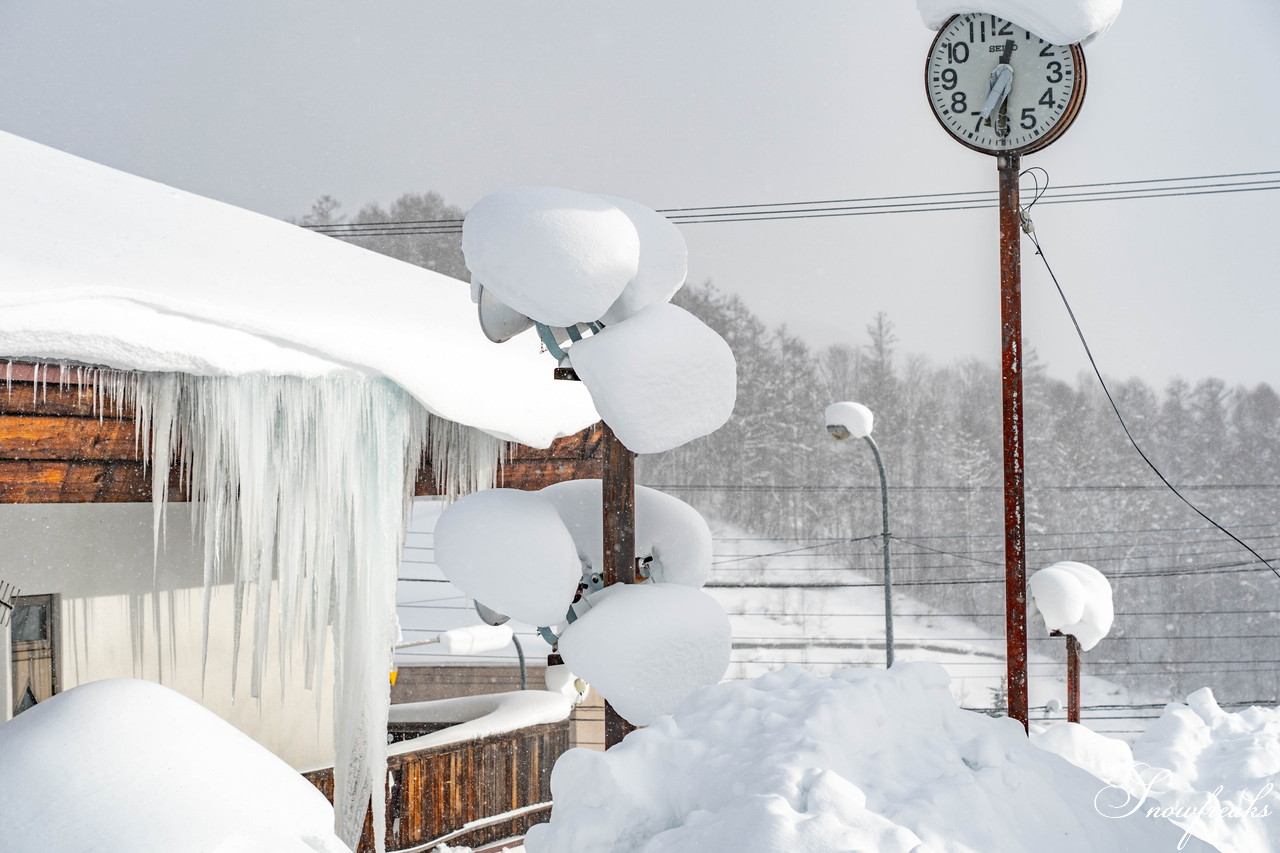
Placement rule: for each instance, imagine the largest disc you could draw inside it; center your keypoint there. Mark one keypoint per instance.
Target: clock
(999, 89)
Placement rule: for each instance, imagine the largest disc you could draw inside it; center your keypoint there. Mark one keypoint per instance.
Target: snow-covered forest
(1193, 607)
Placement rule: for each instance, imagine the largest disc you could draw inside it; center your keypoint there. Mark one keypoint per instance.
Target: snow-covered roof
(102, 267)
(1055, 21)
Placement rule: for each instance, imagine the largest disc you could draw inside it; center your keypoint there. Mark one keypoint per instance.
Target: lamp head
(849, 420)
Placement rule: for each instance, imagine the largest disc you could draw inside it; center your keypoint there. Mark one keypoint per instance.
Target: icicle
(304, 484)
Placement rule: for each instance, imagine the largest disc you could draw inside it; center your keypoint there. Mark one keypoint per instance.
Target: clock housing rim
(1068, 115)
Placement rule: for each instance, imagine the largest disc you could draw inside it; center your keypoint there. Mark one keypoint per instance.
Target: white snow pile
(1055, 21)
(646, 647)
(658, 376)
(1210, 771)
(148, 769)
(101, 267)
(475, 639)
(539, 558)
(1073, 598)
(866, 760)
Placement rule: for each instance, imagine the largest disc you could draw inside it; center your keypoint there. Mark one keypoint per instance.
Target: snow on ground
(1055, 21)
(860, 760)
(124, 765)
(1212, 772)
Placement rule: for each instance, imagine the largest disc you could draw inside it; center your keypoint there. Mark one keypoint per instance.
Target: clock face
(1014, 109)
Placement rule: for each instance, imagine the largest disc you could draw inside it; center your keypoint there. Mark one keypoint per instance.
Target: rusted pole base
(618, 493)
(1073, 679)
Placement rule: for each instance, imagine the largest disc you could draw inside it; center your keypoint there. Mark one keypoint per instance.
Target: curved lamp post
(854, 420)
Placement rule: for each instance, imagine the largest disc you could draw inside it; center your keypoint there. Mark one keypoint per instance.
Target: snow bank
(659, 379)
(125, 765)
(1075, 599)
(508, 549)
(864, 760)
(101, 267)
(646, 647)
(558, 256)
(478, 716)
(1055, 21)
(670, 531)
(664, 261)
(1209, 771)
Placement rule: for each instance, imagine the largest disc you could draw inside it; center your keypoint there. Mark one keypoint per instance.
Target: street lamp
(854, 420)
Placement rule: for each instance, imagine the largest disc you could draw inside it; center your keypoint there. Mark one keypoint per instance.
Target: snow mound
(509, 550)
(475, 639)
(1075, 599)
(646, 647)
(557, 256)
(670, 531)
(866, 760)
(664, 261)
(660, 379)
(125, 765)
(1055, 21)
(1209, 771)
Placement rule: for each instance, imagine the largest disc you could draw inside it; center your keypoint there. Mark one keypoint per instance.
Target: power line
(873, 205)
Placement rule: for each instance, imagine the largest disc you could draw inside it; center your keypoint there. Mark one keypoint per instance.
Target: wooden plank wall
(55, 449)
(437, 791)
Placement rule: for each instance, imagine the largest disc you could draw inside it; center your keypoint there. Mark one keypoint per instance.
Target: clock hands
(999, 84)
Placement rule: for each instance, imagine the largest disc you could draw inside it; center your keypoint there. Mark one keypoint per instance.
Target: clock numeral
(959, 102)
(957, 53)
(981, 32)
(977, 125)
(999, 28)
(949, 78)
(1047, 99)
(1028, 118)
(1047, 50)
(1055, 72)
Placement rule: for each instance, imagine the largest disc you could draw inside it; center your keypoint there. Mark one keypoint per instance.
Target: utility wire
(1030, 230)
(872, 205)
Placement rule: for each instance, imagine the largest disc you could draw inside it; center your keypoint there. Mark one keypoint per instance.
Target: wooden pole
(1011, 384)
(618, 493)
(1073, 679)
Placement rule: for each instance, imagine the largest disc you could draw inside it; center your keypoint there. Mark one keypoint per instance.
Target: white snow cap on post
(557, 256)
(670, 531)
(659, 379)
(1055, 21)
(854, 417)
(664, 261)
(647, 647)
(475, 639)
(1075, 599)
(508, 549)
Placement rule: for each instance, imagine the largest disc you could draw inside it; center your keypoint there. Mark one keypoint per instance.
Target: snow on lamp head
(849, 420)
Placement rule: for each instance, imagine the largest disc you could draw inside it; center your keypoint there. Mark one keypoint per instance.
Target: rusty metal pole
(618, 493)
(1011, 383)
(1073, 679)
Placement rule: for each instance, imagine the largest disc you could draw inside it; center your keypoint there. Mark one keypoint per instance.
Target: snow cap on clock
(1055, 21)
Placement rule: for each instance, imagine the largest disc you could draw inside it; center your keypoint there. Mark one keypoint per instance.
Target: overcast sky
(268, 105)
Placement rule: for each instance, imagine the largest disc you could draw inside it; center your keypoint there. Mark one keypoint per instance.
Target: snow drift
(865, 760)
(149, 769)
